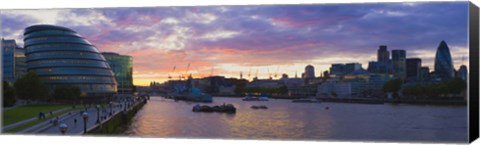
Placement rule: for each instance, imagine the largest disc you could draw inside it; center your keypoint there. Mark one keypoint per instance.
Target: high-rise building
(122, 68)
(413, 68)
(399, 63)
(309, 72)
(8, 60)
(343, 69)
(424, 73)
(351, 67)
(382, 54)
(61, 57)
(337, 69)
(20, 63)
(443, 62)
(463, 72)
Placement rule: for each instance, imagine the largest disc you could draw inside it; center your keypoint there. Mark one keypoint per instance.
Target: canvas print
(324, 72)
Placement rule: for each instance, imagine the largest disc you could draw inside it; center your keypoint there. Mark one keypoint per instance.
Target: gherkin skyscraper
(443, 62)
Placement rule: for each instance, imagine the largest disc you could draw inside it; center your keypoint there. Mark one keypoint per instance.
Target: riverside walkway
(77, 128)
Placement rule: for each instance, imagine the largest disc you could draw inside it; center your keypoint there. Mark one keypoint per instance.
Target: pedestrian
(51, 113)
(75, 121)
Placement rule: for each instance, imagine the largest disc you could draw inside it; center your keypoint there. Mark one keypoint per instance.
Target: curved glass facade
(60, 56)
(443, 62)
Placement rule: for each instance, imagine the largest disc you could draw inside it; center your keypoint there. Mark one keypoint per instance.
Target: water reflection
(286, 120)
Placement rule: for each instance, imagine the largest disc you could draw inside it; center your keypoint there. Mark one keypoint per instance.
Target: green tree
(8, 95)
(392, 86)
(67, 93)
(31, 87)
(456, 86)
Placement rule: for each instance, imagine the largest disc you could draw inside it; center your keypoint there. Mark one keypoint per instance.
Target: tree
(8, 95)
(392, 86)
(67, 93)
(31, 87)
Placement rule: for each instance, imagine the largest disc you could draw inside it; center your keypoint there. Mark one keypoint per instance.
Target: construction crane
(170, 77)
(186, 71)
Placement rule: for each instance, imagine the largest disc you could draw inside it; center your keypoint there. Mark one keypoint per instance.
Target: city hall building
(60, 56)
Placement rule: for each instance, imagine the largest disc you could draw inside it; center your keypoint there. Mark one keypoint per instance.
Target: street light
(111, 111)
(85, 118)
(63, 128)
(98, 114)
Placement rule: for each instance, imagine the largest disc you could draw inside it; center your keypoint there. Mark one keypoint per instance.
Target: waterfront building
(443, 62)
(309, 72)
(61, 57)
(399, 63)
(413, 69)
(20, 63)
(122, 68)
(463, 72)
(342, 69)
(337, 70)
(8, 60)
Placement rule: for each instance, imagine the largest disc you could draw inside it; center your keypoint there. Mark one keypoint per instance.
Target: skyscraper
(413, 68)
(463, 72)
(309, 72)
(20, 63)
(122, 68)
(399, 63)
(61, 57)
(382, 54)
(443, 62)
(424, 73)
(8, 60)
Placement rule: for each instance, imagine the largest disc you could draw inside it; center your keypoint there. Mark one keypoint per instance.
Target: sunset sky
(227, 40)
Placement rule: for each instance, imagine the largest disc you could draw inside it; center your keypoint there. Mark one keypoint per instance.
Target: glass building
(122, 68)
(20, 63)
(443, 62)
(61, 57)
(8, 60)
(399, 63)
(309, 72)
(413, 69)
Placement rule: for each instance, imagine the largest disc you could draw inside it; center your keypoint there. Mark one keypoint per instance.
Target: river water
(284, 120)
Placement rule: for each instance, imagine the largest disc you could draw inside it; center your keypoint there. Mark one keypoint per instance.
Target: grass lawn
(30, 124)
(28, 111)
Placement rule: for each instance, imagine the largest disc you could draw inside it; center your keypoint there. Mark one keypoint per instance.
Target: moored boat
(306, 100)
(228, 108)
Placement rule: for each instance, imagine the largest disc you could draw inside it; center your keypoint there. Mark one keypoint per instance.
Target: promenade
(77, 128)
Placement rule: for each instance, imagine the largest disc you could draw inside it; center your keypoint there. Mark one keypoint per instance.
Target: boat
(253, 98)
(250, 98)
(189, 92)
(259, 107)
(306, 100)
(228, 108)
(262, 98)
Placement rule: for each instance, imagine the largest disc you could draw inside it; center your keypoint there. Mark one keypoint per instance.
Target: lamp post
(85, 118)
(98, 114)
(111, 111)
(63, 128)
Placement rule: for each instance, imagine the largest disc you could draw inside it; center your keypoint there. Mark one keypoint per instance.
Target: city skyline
(276, 39)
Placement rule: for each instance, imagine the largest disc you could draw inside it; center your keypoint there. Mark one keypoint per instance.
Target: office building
(382, 54)
(8, 60)
(309, 72)
(122, 67)
(399, 63)
(413, 69)
(61, 57)
(443, 62)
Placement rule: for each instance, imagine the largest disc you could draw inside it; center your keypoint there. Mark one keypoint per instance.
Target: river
(284, 120)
